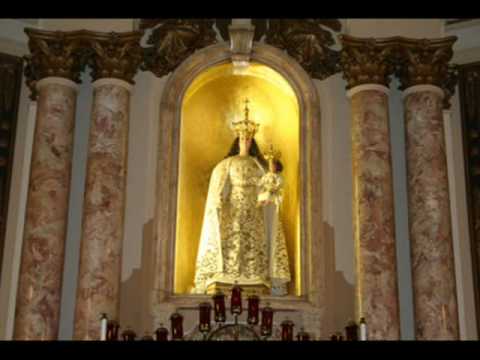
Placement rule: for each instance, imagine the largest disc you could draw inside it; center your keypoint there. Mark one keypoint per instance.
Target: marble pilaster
(433, 271)
(373, 212)
(103, 215)
(40, 279)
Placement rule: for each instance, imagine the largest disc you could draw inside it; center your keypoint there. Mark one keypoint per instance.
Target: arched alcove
(214, 99)
(310, 301)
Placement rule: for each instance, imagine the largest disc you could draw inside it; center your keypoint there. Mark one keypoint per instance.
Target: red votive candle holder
(205, 310)
(219, 307)
(177, 326)
(253, 310)
(161, 334)
(287, 330)
(351, 331)
(112, 330)
(267, 321)
(236, 301)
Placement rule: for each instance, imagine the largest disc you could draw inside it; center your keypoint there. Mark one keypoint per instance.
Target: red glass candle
(161, 334)
(267, 321)
(351, 331)
(205, 310)
(219, 307)
(287, 330)
(177, 326)
(112, 330)
(303, 335)
(129, 334)
(253, 310)
(236, 303)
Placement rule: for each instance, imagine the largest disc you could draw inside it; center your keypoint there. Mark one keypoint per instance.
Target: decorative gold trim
(173, 40)
(114, 55)
(367, 61)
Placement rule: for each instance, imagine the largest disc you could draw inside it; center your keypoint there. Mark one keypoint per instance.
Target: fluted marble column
(423, 75)
(40, 279)
(53, 60)
(366, 68)
(104, 202)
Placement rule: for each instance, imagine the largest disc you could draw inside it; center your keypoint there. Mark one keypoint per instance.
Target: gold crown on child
(272, 154)
(246, 126)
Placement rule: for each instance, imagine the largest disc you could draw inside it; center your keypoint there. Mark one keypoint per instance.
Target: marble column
(367, 66)
(433, 268)
(116, 59)
(103, 214)
(41, 270)
(373, 212)
(426, 78)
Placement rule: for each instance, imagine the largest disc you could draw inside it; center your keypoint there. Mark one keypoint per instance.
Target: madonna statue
(242, 239)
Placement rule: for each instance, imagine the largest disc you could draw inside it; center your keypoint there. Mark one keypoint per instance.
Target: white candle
(363, 330)
(103, 327)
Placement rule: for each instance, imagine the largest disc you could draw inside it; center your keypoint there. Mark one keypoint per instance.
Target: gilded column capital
(367, 60)
(426, 62)
(114, 55)
(53, 54)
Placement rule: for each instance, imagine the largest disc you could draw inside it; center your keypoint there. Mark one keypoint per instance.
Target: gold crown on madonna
(246, 126)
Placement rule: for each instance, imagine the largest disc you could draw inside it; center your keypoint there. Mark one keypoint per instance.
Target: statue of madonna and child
(242, 239)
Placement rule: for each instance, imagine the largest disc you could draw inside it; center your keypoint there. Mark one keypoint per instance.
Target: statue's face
(245, 141)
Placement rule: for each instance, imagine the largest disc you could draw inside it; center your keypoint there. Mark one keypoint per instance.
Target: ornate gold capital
(424, 61)
(308, 41)
(367, 61)
(53, 53)
(173, 40)
(114, 55)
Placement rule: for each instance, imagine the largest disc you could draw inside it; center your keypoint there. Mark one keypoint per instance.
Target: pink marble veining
(433, 271)
(40, 279)
(103, 215)
(373, 215)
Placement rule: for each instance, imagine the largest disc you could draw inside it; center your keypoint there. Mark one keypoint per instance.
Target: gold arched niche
(215, 98)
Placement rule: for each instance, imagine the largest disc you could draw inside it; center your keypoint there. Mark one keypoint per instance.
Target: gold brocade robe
(240, 240)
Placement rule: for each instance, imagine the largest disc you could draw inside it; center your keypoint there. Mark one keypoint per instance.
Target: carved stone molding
(54, 53)
(367, 61)
(424, 61)
(173, 40)
(114, 55)
(308, 42)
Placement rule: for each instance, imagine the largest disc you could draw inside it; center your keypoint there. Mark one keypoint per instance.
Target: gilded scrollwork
(424, 61)
(54, 53)
(308, 42)
(114, 55)
(173, 40)
(367, 61)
